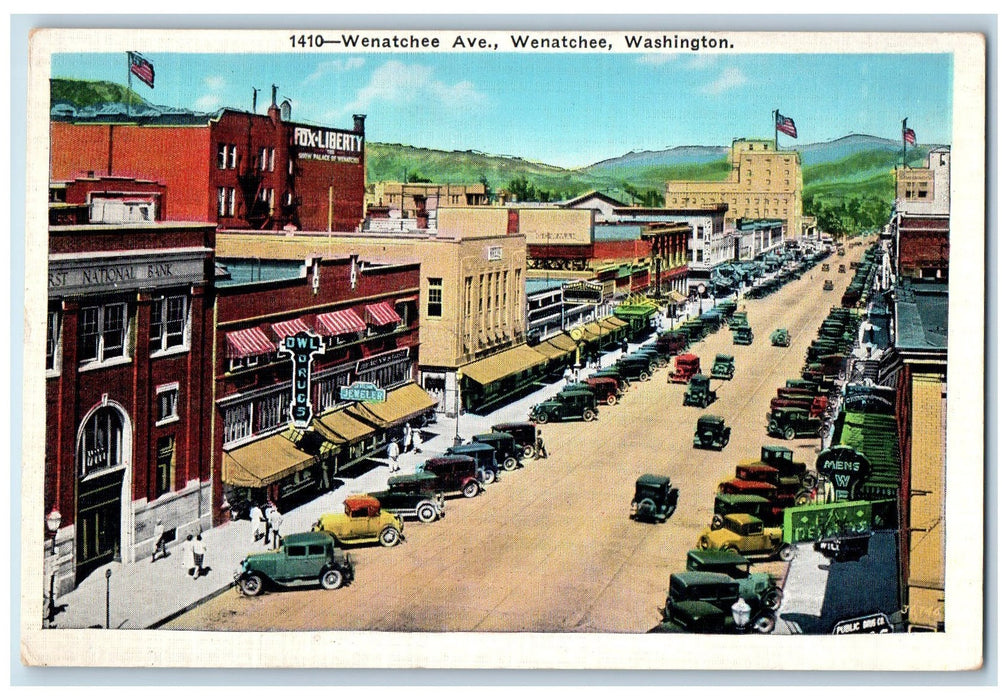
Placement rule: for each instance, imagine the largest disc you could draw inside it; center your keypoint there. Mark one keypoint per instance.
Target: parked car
(302, 558)
(672, 343)
(780, 338)
(412, 495)
(746, 534)
(742, 335)
(635, 368)
(699, 393)
(606, 389)
(738, 319)
(789, 423)
(723, 367)
(614, 374)
(573, 405)
(716, 589)
(758, 589)
(686, 365)
(827, 285)
(507, 453)
(695, 617)
(484, 455)
(524, 434)
(362, 520)
(841, 269)
(454, 475)
(654, 498)
(752, 504)
(711, 432)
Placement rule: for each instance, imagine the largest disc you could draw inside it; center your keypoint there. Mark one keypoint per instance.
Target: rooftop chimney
(274, 111)
(358, 123)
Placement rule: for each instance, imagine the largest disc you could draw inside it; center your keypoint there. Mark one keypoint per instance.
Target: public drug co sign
(302, 347)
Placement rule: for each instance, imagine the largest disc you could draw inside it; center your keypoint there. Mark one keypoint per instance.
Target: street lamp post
(108, 578)
(458, 405)
(53, 521)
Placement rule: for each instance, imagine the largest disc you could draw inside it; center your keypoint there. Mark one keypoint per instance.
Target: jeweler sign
(362, 391)
(302, 347)
(877, 623)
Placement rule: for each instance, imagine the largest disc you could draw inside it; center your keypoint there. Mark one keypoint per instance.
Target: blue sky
(564, 109)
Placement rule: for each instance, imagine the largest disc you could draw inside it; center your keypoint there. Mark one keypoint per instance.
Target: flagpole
(775, 146)
(903, 137)
(129, 84)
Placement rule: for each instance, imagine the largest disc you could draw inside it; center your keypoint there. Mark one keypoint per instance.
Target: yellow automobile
(745, 534)
(362, 521)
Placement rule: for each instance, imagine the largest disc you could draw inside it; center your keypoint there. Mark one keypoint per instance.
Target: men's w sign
(302, 347)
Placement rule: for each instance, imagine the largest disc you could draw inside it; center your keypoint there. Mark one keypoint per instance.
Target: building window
(169, 320)
(270, 410)
(435, 293)
(263, 158)
(272, 159)
(101, 442)
(164, 467)
(237, 422)
(233, 157)
(222, 156)
(237, 363)
(102, 332)
(167, 403)
(54, 329)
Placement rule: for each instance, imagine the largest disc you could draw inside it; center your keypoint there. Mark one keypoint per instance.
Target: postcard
(494, 349)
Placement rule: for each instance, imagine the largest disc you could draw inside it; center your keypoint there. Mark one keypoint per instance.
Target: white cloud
(215, 82)
(339, 65)
(207, 103)
(212, 97)
(729, 79)
(397, 83)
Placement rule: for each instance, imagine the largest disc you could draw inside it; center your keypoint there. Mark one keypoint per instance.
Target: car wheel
(528, 451)
(331, 579)
(717, 522)
(486, 476)
(810, 480)
(773, 597)
(789, 433)
(588, 414)
(426, 513)
(731, 548)
(803, 499)
(541, 418)
(389, 537)
(644, 376)
(470, 489)
(787, 552)
(611, 399)
(510, 464)
(251, 584)
(704, 542)
(764, 624)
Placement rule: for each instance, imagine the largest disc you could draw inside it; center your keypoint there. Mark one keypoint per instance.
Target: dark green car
(711, 432)
(302, 558)
(695, 617)
(654, 499)
(758, 589)
(699, 393)
(567, 405)
(716, 589)
(413, 495)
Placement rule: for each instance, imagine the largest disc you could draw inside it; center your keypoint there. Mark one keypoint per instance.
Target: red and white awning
(284, 329)
(339, 322)
(382, 314)
(248, 342)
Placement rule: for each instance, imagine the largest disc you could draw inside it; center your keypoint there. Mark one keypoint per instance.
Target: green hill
(90, 93)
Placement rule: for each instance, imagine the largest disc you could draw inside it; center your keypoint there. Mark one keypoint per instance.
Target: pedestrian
(186, 554)
(267, 521)
(257, 518)
(407, 434)
(160, 543)
(568, 375)
(275, 520)
(393, 455)
(417, 441)
(198, 551)
(540, 446)
(624, 346)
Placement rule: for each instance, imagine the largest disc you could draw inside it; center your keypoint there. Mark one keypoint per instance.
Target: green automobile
(758, 589)
(302, 558)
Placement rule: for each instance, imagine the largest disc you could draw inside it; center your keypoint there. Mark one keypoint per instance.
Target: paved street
(551, 547)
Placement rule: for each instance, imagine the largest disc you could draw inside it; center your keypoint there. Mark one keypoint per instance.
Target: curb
(196, 603)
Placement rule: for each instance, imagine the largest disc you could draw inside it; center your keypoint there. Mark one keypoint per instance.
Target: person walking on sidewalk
(268, 521)
(407, 438)
(198, 552)
(275, 520)
(160, 543)
(417, 441)
(540, 446)
(393, 455)
(257, 518)
(185, 554)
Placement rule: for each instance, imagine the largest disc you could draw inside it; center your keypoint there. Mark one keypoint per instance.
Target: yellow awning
(490, 369)
(338, 427)
(400, 405)
(613, 322)
(563, 341)
(550, 352)
(593, 331)
(263, 462)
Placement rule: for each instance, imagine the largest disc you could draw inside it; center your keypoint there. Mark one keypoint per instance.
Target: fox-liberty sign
(302, 347)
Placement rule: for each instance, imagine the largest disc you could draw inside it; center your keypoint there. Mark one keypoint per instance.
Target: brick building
(236, 169)
(129, 334)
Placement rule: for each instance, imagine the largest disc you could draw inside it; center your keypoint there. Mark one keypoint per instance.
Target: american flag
(909, 136)
(786, 125)
(141, 68)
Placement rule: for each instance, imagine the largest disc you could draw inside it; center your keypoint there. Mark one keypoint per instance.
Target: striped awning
(284, 329)
(339, 322)
(263, 462)
(382, 314)
(248, 342)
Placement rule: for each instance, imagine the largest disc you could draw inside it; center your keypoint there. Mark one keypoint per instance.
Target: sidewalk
(143, 594)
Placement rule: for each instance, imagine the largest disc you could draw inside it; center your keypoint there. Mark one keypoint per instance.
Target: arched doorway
(104, 444)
